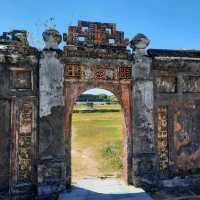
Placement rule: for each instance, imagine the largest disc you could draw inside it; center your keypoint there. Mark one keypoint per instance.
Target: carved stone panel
(187, 138)
(110, 74)
(162, 137)
(191, 84)
(98, 72)
(21, 79)
(166, 84)
(87, 73)
(25, 143)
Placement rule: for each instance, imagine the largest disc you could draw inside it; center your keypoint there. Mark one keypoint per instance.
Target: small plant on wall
(35, 37)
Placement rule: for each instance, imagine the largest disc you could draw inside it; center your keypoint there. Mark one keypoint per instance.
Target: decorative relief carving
(125, 72)
(24, 143)
(163, 137)
(21, 79)
(166, 84)
(110, 74)
(87, 73)
(100, 74)
(191, 84)
(97, 72)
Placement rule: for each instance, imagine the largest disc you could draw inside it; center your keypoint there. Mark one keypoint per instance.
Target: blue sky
(171, 24)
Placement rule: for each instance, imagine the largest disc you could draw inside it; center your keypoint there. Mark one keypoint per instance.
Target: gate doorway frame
(122, 90)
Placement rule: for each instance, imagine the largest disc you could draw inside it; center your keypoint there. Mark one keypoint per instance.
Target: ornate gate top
(19, 36)
(96, 40)
(96, 35)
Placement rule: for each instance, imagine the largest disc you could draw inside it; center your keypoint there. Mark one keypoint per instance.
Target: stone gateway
(159, 91)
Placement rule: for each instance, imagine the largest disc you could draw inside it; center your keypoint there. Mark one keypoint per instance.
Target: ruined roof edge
(173, 53)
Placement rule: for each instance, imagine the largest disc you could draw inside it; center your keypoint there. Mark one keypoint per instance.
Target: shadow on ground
(108, 189)
(82, 194)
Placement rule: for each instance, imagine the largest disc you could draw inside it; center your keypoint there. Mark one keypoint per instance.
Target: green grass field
(96, 144)
(98, 107)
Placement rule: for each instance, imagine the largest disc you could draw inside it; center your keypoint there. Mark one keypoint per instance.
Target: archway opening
(98, 145)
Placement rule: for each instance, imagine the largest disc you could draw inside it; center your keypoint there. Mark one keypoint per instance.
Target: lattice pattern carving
(125, 72)
(73, 71)
(163, 137)
(24, 143)
(96, 35)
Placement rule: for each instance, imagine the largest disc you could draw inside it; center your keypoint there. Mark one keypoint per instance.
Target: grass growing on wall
(96, 144)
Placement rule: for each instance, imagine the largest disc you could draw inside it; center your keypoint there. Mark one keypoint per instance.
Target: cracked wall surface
(51, 167)
(51, 82)
(159, 91)
(19, 109)
(176, 88)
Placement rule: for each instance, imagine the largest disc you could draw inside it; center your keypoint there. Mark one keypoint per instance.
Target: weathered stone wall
(51, 165)
(18, 116)
(176, 103)
(144, 157)
(5, 138)
(159, 93)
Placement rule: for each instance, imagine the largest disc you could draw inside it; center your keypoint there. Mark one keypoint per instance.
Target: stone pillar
(143, 123)
(51, 164)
